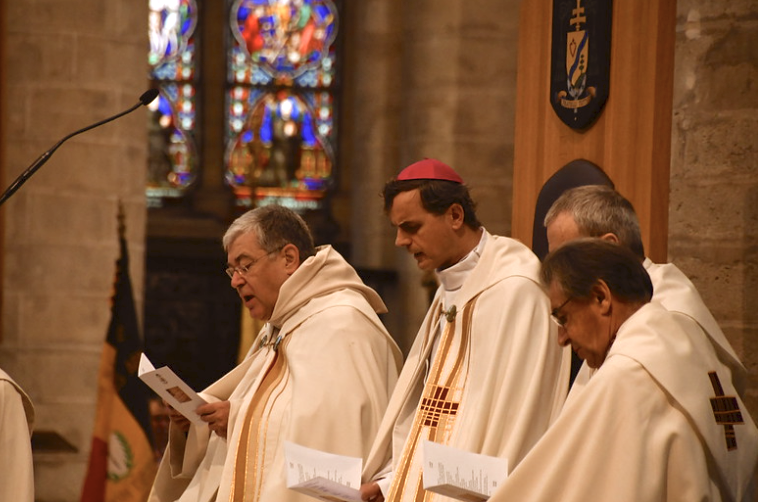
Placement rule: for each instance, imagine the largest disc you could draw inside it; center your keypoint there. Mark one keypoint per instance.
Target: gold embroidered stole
(251, 448)
(439, 406)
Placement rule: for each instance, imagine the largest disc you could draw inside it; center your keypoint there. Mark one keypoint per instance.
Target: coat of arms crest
(580, 66)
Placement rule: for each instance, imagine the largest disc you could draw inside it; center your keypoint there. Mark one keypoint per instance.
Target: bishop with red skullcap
(482, 340)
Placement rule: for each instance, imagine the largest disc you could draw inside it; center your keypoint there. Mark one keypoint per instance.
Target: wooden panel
(631, 140)
(3, 34)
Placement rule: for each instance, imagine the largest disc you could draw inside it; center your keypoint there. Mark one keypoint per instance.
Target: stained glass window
(280, 101)
(173, 157)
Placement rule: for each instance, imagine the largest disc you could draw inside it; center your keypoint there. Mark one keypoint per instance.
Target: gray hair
(599, 210)
(274, 227)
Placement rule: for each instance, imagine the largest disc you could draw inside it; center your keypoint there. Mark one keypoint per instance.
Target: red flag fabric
(122, 464)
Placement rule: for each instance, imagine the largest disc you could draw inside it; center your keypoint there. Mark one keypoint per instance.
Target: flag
(122, 465)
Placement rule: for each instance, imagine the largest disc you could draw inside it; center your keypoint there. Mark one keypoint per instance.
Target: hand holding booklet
(171, 388)
(325, 476)
(460, 474)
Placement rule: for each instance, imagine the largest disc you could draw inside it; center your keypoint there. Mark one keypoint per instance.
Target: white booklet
(325, 476)
(171, 388)
(461, 474)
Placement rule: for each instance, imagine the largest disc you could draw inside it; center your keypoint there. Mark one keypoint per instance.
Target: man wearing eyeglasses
(319, 374)
(600, 211)
(659, 419)
(484, 373)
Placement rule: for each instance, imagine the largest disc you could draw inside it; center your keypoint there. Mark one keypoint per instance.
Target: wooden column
(630, 141)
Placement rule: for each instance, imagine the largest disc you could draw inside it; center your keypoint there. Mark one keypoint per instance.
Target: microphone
(144, 100)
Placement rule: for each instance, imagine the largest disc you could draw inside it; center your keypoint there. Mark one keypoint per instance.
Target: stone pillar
(713, 212)
(69, 63)
(371, 95)
(213, 197)
(372, 92)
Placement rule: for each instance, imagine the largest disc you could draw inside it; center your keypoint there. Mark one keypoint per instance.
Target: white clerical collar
(453, 277)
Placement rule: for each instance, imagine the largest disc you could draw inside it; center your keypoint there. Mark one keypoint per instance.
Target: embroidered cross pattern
(726, 411)
(433, 408)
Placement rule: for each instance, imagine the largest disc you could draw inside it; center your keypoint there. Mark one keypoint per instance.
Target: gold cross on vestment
(726, 411)
(435, 407)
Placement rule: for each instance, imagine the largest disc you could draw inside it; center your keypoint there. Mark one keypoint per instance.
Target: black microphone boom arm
(144, 100)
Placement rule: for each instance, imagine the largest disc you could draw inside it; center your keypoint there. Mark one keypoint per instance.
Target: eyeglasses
(556, 315)
(244, 269)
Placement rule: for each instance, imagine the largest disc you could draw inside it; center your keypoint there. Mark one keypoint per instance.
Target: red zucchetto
(429, 169)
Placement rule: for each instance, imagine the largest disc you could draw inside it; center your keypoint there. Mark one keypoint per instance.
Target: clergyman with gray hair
(602, 212)
(319, 373)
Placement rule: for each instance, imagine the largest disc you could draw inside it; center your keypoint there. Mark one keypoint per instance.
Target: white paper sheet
(325, 476)
(170, 387)
(461, 474)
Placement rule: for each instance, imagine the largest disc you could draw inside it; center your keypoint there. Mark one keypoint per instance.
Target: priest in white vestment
(659, 417)
(600, 211)
(484, 373)
(16, 423)
(319, 374)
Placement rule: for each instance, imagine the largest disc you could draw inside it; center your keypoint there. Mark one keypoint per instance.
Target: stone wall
(68, 63)
(713, 212)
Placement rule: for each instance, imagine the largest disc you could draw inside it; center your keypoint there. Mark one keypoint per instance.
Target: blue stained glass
(165, 71)
(261, 77)
(281, 137)
(310, 98)
(188, 24)
(163, 106)
(172, 162)
(285, 36)
(323, 13)
(266, 132)
(309, 138)
(295, 113)
(314, 184)
(308, 79)
(170, 27)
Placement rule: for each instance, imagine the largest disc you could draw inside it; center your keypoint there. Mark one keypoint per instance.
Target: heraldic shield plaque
(580, 60)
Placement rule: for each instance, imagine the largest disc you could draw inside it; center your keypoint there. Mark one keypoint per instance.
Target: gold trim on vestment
(437, 411)
(256, 420)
